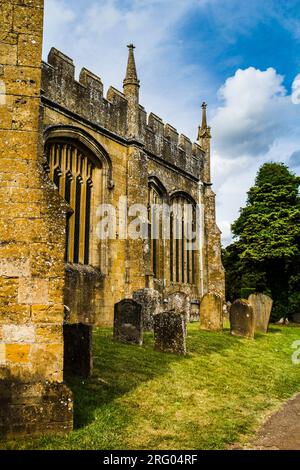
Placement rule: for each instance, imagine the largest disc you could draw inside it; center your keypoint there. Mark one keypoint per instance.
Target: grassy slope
(141, 399)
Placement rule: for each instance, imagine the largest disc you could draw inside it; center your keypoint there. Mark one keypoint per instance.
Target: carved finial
(204, 129)
(131, 74)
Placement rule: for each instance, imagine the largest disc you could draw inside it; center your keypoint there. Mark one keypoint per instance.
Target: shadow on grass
(274, 329)
(208, 342)
(119, 368)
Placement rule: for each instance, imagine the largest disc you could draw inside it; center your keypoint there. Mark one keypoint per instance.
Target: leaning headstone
(262, 307)
(211, 312)
(151, 302)
(179, 302)
(169, 332)
(242, 320)
(128, 322)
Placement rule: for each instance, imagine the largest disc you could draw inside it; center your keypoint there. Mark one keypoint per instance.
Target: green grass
(141, 399)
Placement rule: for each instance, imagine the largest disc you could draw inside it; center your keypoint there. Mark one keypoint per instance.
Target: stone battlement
(85, 98)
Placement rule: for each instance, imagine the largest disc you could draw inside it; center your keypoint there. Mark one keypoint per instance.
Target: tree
(266, 248)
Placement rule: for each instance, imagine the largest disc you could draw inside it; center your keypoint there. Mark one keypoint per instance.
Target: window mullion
(73, 158)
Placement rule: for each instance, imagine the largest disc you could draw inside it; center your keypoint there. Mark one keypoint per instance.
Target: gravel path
(281, 431)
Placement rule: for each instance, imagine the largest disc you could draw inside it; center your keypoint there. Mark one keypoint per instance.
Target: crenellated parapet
(84, 97)
(164, 141)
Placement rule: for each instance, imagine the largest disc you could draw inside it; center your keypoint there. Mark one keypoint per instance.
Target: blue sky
(241, 56)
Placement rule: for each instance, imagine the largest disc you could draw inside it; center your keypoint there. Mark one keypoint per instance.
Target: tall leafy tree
(266, 248)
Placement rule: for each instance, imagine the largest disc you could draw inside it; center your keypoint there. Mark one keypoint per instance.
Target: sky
(242, 57)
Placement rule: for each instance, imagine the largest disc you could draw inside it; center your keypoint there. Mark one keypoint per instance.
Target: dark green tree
(266, 250)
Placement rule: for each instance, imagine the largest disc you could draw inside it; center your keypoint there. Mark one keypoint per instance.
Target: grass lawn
(141, 399)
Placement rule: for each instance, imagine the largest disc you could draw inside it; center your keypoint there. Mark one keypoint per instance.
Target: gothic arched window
(73, 169)
(182, 224)
(156, 198)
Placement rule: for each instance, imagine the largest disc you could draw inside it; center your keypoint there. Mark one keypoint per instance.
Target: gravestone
(151, 302)
(262, 307)
(170, 332)
(128, 326)
(282, 321)
(211, 312)
(179, 302)
(242, 319)
(296, 318)
(78, 358)
(195, 310)
(226, 310)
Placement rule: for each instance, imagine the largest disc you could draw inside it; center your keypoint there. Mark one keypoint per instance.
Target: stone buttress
(33, 396)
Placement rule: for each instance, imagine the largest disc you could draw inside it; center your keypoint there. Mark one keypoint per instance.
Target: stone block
(14, 267)
(49, 333)
(6, 14)
(28, 49)
(14, 313)
(47, 361)
(33, 291)
(18, 353)
(8, 54)
(47, 313)
(18, 334)
(2, 354)
(27, 19)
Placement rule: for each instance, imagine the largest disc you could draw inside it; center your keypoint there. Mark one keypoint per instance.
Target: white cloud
(254, 103)
(58, 16)
(296, 90)
(258, 122)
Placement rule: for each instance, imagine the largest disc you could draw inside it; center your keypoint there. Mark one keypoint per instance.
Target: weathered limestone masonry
(32, 239)
(136, 150)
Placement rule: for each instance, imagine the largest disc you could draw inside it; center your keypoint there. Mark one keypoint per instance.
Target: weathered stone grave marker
(151, 302)
(211, 312)
(170, 332)
(128, 322)
(179, 302)
(262, 307)
(242, 319)
(78, 357)
(195, 311)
